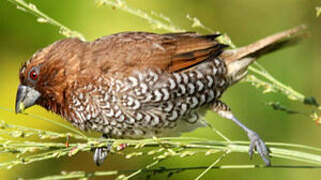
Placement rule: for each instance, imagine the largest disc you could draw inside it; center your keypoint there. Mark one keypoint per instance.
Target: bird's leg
(256, 143)
(101, 153)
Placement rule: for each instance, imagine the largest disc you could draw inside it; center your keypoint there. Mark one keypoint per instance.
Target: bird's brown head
(43, 78)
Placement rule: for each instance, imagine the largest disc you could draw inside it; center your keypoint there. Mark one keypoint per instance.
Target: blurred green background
(243, 20)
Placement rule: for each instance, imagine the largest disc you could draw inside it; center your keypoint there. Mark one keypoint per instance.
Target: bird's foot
(258, 145)
(100, 154)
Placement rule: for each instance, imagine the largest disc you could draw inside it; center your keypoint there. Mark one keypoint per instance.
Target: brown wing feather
(124, 52)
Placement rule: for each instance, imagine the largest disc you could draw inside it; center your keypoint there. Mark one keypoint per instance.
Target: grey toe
(258, 145)
(100, 155)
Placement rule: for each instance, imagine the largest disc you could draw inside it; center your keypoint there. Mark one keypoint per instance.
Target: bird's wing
(124, 52)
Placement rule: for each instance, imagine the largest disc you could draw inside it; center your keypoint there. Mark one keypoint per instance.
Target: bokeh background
(244, 21)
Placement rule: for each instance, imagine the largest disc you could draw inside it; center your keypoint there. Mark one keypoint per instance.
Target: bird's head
(46, 75)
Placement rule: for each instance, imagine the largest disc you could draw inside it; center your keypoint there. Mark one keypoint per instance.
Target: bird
(141, 84)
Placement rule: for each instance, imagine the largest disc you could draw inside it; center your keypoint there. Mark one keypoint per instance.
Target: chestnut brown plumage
(139, 84)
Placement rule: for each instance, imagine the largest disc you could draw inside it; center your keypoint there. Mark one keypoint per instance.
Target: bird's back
(128, 51)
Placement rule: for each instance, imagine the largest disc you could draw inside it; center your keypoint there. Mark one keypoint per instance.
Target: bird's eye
(33, 75)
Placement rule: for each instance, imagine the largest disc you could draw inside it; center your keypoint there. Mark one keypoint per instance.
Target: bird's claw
(100, 154)
(258, 145)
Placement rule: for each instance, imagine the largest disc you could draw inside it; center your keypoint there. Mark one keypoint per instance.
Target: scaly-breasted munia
(139, 84)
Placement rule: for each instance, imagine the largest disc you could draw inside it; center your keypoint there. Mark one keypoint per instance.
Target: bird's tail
(237, 60)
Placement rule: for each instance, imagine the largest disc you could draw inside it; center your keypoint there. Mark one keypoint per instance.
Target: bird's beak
(26, 97)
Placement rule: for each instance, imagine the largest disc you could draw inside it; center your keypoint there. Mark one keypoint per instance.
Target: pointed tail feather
(237, 60)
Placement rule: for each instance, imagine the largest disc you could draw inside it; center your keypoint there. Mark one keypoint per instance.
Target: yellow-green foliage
(28, 141)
